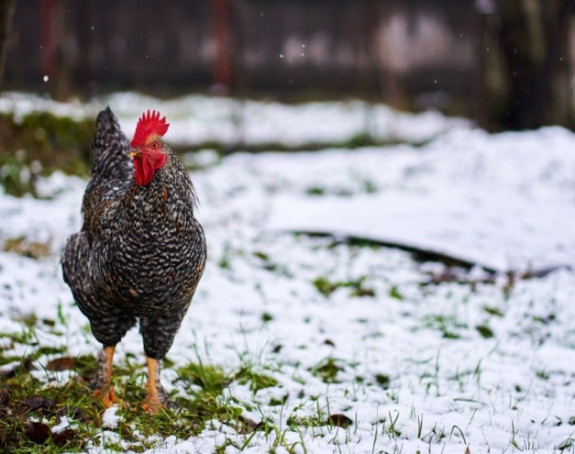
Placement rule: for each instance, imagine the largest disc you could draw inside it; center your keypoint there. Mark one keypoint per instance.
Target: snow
(200, 119)
(505, 200)
(501, 201)
(109, 418)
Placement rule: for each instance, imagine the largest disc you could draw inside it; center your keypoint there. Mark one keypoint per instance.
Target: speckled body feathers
(141, 252)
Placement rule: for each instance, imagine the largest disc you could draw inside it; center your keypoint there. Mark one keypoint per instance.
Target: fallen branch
(421, 254)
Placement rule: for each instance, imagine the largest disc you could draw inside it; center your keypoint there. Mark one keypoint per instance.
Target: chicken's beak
(135, 153)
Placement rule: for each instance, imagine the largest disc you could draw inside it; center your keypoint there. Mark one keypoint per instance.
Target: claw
(102, 388)
(108, 398)
(152, 406)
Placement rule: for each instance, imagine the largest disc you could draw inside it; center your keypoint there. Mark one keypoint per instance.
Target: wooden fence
(413, 54)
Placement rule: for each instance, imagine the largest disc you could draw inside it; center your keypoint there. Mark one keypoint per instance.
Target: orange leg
(103, 388)
(153, 402)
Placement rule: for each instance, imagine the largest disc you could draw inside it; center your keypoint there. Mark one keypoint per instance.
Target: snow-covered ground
(199, 119)
(488, 367)
(504, 201)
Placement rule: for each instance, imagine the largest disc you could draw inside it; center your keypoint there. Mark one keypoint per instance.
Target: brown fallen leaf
(37, 432)
(64, 437)
(339, 420)
(39, 402)
(249, 424)
(64, 363)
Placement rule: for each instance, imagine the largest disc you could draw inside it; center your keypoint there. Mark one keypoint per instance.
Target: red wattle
(145, 166)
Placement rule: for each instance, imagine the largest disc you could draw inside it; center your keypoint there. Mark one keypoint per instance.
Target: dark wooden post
(48, 26)
(223, 76)
(55, 59)
(6, 15)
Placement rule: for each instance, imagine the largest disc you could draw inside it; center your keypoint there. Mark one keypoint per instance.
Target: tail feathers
(107, 131)
(110, 147)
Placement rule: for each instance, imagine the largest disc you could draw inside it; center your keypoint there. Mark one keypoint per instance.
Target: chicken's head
(147, 146)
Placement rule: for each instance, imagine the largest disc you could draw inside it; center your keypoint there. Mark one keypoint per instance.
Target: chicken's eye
(155, 145)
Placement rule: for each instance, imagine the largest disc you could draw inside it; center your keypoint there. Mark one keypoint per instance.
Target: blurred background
(287, 75)
(505, 64)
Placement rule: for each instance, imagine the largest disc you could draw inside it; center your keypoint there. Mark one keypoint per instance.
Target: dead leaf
(37, 432)
(39, 402)
(64, 363)
(249, 424)
(339, 420)
(64, 437)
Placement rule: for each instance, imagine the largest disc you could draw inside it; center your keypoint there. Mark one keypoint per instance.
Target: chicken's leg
(156, 399)
(102, 387)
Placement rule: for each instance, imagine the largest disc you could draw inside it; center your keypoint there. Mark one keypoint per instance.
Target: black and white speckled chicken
(140, 252)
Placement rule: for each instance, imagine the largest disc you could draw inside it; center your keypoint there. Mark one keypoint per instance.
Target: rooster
(140, 252)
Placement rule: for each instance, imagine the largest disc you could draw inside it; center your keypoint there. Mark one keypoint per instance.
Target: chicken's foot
(156, 399)
(101, 386)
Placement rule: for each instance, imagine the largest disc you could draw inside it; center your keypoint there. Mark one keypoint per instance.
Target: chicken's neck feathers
(169, 197)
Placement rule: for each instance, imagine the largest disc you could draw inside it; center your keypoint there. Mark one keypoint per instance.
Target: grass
(37, 394)
(357, 287)
(28, 401)
(328, 369)
(46, 405)
(31, 406)
(48, 387)
(50, 142)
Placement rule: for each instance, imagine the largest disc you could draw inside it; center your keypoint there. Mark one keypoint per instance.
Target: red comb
(149, 123)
